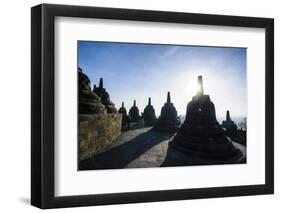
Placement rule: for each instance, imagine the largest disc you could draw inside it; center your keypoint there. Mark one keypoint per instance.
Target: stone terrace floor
(145, 147)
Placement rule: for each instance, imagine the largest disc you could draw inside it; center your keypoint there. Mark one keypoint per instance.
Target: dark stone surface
(238, 135)
(149, 114)
(105, 98)
(201, 134)
(175, 157)
(134, 113)
(89, 102)
(168, 119)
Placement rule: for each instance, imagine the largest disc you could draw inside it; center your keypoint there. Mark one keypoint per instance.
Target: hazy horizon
(139, 71)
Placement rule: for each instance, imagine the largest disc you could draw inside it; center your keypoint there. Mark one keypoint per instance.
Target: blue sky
(138, 71)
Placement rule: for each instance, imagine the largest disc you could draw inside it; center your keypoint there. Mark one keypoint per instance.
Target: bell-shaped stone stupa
(149, 114)
(201, 134)
(229, 124)
(89, 102)
(105, 98)
(168, 120)
(125, 117)
(134, 113)
(122, 109)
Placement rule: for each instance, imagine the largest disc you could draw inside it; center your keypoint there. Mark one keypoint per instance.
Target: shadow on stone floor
(175, 157)
(134, 126)
(120, 156)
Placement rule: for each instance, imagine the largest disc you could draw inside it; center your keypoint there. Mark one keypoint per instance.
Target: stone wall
(96, 131)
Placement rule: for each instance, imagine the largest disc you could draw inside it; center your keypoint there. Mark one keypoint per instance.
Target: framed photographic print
(140, 106)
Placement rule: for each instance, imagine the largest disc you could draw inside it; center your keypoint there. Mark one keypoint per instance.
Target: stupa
(232, 131)
(149, 114)
(201, 134)
(229, 124)
(105, 98)
(122, 109)
(89, 102)
(125, 117)
(134, 113)
(168, 120)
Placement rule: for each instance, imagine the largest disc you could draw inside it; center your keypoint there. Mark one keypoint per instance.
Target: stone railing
(96, 131)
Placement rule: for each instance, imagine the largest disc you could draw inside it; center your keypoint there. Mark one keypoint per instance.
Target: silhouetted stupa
(122, 109)
(89, 102)
(105, 98)
(134, 113)
(125, 117)
(168, 120)
(201, 134)
(149, 114)
(229, 124)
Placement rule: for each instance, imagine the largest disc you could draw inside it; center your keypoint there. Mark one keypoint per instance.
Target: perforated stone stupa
(97, 128)
(89, 102)
(201, 134)
(122, 109)
(125, 117)
(134, 113)
(149, 114)
(168, 119)
(232, 131)
(105, 98)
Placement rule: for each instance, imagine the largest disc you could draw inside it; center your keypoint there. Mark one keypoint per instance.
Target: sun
(187, 83)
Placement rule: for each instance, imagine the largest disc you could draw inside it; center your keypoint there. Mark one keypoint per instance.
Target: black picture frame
(43, 117)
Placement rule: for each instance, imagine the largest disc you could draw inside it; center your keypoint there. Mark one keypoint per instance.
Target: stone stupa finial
(200, 85)
(168, 98)
(101, 83)
(122, 104)
(228, 116)
(149, 101)
(134, 103)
